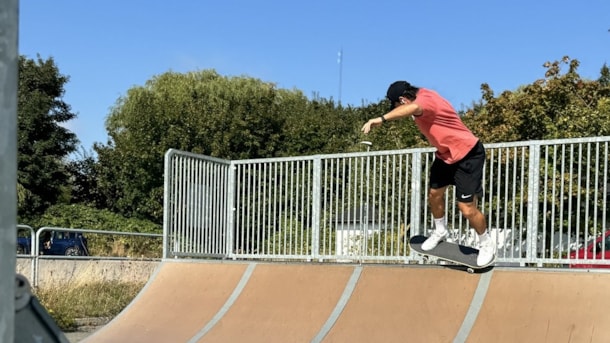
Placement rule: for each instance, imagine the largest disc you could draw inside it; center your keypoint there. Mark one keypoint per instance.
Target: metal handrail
(35, 251)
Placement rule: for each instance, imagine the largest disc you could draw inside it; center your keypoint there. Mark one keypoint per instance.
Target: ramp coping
(347, 293)
(227, 305)
(475, 306)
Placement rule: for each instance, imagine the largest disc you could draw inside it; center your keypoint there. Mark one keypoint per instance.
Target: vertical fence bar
(605, 192)
(167, 200)
(230, 208)
(316, 201)
(416, 189)
(596, 194)
(532, 200)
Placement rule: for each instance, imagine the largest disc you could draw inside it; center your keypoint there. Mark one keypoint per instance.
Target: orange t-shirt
(443, 128)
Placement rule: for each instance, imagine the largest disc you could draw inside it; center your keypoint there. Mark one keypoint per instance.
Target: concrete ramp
(275, 302)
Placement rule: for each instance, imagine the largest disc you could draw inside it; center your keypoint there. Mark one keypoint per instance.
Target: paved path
(77, 336)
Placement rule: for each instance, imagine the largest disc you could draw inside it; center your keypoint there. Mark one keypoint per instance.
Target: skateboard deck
(452, 252)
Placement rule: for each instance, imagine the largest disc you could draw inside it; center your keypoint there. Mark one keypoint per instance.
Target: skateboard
(452, 252)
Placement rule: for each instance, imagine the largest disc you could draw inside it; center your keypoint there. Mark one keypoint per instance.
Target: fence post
(168, 182)
(316, 207)
(230, 208)
(416, 192)
(533, 187)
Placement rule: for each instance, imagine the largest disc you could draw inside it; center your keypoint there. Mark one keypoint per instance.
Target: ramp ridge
(475, 306)
(347, 293)
(230, 301)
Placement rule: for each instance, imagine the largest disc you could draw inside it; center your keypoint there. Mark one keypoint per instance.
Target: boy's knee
(468, 210)
(436, 193)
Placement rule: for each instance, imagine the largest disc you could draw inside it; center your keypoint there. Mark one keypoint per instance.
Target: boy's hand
(371, 124)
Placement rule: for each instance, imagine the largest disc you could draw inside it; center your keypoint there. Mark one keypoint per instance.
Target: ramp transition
(275, 302)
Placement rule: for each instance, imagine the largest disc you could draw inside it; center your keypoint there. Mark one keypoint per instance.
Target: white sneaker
(487, 252)
(435, 238)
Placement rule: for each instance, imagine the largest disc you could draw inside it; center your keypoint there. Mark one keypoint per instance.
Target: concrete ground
(86, 327)
(77, 336)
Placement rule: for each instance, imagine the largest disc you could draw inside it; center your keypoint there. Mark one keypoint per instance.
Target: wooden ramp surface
(278, 302)
(179, 300)
(282, 302)
(545, 307)
(392, 303)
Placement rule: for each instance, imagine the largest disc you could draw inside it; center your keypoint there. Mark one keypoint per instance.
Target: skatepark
(275, 302)
(315, 249)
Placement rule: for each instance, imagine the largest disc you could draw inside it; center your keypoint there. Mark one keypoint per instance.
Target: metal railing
(35, 239)
(543, 200)
(32, 234)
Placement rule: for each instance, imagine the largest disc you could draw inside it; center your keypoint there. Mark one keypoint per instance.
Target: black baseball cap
(396, 90)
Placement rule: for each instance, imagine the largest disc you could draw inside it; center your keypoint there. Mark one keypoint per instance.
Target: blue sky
(107, 47)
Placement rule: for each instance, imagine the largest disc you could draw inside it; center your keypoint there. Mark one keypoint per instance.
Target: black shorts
(466, 174)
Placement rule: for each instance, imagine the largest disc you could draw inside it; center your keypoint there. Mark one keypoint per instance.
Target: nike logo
(466, 196)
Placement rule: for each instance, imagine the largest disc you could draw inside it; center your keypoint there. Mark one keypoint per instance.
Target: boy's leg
(468, 180)
(469, 187)
(436, 198)
(441, 175)
(471, 212)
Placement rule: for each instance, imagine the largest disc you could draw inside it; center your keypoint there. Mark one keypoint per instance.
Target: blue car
(56, 243)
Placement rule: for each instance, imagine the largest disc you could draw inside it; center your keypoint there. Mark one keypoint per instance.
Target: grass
(65, 303)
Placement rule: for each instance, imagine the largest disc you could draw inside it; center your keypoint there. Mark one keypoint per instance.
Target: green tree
(22, 195)
(43, 144)
(205, 113)
(557, 106)
(83, 173)
(560, 105)
(318, 126)
(604, 76)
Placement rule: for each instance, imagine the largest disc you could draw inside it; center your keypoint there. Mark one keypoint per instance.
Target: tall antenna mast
(340, 61)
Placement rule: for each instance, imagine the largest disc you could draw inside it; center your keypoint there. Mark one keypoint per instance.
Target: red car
(596, 250)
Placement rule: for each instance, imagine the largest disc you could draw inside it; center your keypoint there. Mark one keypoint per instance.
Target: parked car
(67, 243)
(599, 249)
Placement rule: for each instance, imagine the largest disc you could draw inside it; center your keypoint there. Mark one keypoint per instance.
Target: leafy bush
(83, 217)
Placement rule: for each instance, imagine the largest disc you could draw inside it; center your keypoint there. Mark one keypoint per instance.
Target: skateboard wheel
(470, 270)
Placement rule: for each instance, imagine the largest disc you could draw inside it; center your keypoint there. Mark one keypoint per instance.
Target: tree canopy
(206, 113)
(43, 143)
(556, 106)
(245, 118)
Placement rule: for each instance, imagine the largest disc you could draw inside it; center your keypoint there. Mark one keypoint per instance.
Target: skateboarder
(459, 161)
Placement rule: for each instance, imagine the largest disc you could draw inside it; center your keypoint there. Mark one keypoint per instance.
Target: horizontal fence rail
(36, 239)
(545, 203)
